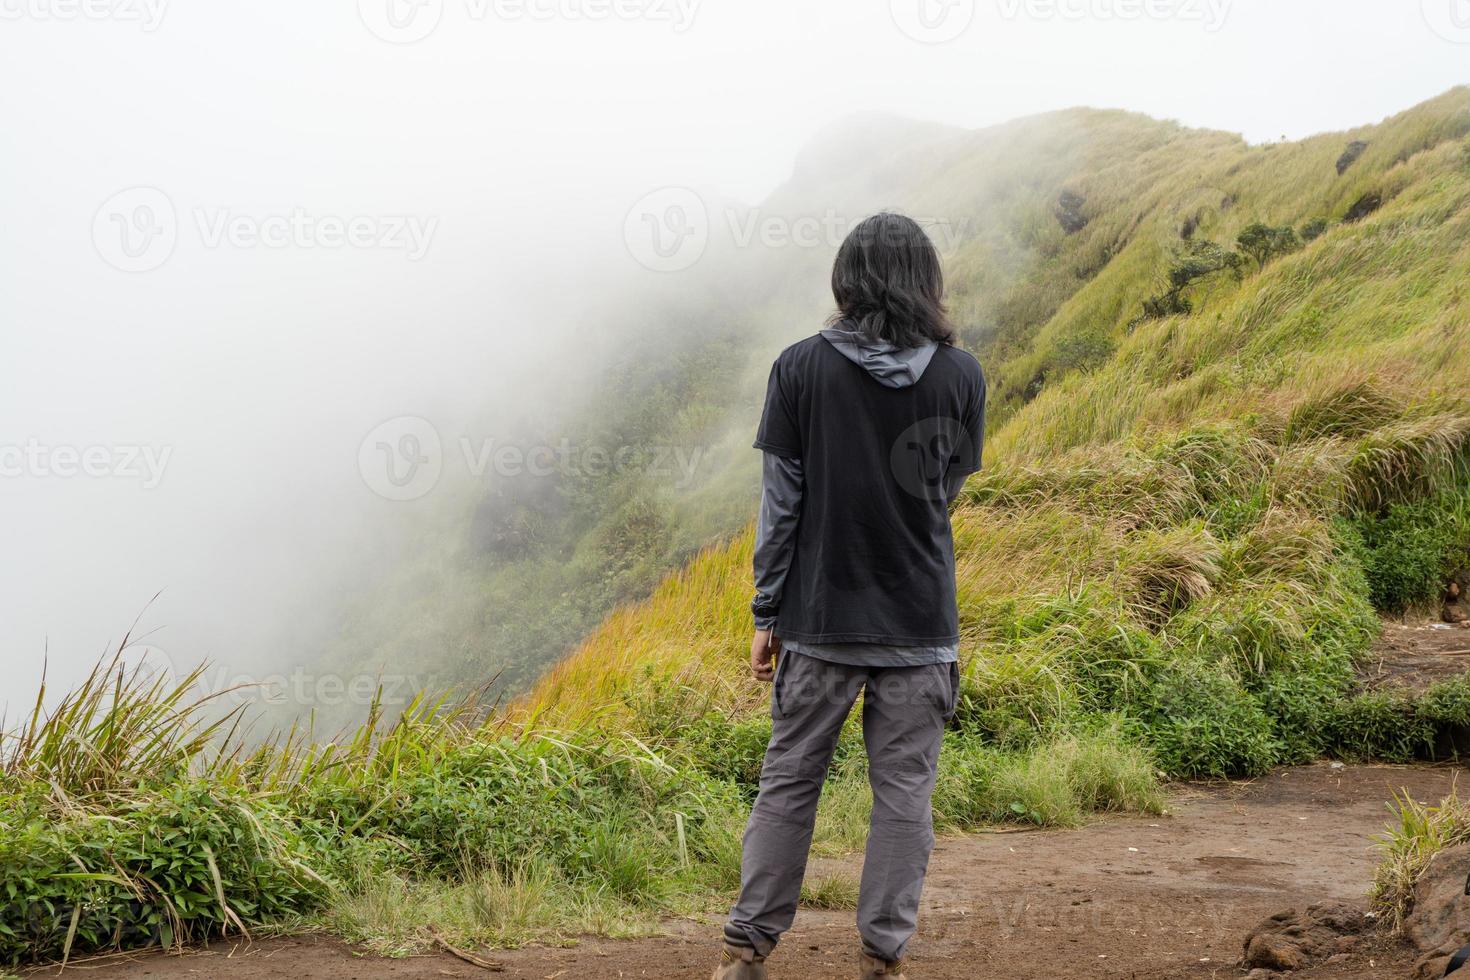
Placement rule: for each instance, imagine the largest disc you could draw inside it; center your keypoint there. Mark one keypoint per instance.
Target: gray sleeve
(973, 452)
(775, 533)
(953, 484)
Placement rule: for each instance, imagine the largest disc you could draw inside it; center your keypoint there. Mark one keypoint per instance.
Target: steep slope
(1187, 510)
(509, 575)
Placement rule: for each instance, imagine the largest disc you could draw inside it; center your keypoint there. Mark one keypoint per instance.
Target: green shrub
(1409, 549)
(1169, 303)
(1379, 724)
(1200, 722)
(729, 748)
(1299, 706)
(1078, 352)
(1055, 783)
(1447, 703)
(1195, 261)
(178, 864)
(1313, 229)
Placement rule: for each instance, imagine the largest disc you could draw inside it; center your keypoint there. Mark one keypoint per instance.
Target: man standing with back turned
(869, 430)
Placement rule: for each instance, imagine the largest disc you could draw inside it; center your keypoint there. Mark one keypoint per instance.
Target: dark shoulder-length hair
(888, 283)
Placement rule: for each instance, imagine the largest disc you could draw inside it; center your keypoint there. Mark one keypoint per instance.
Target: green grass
(832, 891)
(124, 826)
(433, 826)
(393, 914)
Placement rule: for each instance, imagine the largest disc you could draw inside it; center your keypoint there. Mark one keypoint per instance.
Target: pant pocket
(953, 703)
(782, 659)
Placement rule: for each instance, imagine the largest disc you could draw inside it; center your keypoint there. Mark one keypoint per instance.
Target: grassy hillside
(1056, 230)
(1176, 503)
(1231, 427)
(507, 576)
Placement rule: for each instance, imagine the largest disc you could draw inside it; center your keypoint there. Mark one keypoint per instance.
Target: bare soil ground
(1135, 897)
(1417, 654)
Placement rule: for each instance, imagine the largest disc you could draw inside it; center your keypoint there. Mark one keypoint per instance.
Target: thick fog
(246, 245)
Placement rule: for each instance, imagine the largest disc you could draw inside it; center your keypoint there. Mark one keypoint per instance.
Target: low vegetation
(1420, 831)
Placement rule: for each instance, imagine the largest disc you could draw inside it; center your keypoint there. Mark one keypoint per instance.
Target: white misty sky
(525, 129)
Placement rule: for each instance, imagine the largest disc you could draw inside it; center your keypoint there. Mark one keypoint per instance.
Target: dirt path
(1128, 897)
(1417, 654)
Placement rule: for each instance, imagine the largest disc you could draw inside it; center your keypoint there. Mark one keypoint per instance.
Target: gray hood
(890, 366)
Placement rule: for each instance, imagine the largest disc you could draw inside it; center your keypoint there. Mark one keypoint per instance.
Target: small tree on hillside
(1264, 242)
(1197, 260)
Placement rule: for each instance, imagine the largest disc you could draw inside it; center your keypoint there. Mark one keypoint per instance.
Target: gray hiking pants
(904, 713)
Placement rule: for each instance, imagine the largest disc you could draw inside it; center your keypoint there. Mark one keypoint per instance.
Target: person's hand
(764, 647)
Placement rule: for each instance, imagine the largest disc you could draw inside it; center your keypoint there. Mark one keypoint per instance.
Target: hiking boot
(872, 967)
(740, 963)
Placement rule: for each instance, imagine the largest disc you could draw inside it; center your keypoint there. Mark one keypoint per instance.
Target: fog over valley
(368, 342)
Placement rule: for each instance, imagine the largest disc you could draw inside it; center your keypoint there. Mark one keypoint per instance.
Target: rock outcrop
(1439, 923)
(1350, 155)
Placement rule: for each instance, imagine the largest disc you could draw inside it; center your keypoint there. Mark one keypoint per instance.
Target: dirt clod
(1292, 940)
